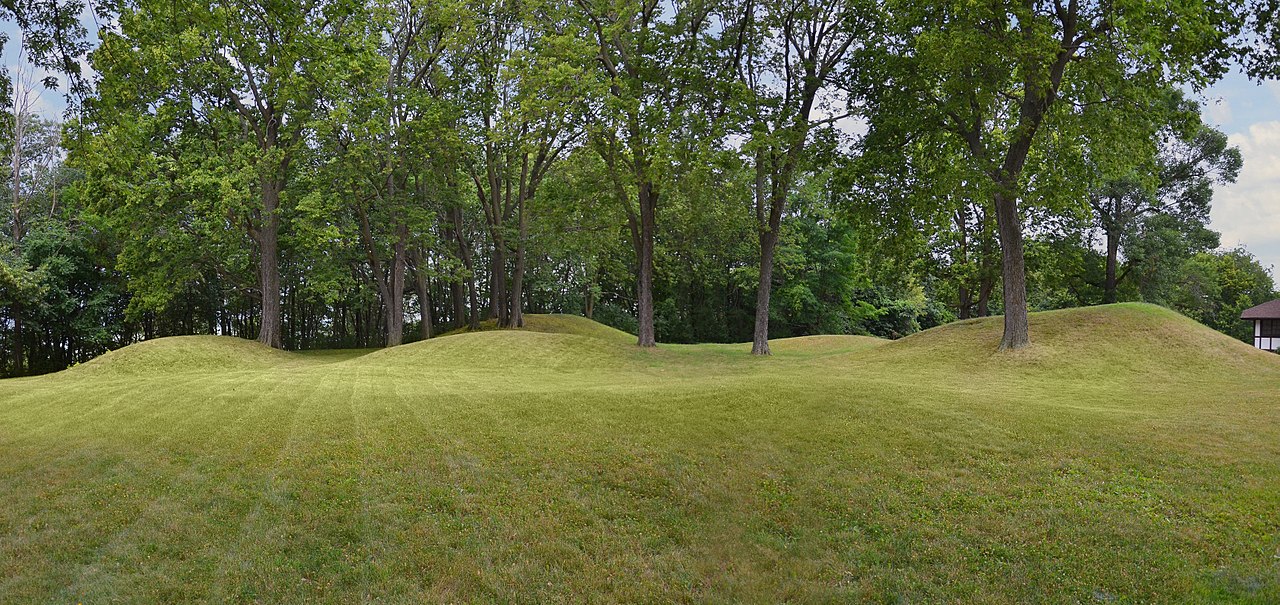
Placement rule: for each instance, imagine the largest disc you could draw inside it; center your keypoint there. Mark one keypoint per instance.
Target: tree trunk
(644, 270)
(1113, 252)
(464, 250)
(457, 298)
(424, 299)
(498, 294)
(517, 276)
(268, 263)
(17, 339)
(986, 272)
(1016, 332)
(395, 291)
(984, 295)
(760, 338)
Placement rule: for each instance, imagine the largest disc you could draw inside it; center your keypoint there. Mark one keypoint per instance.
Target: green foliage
(1218, 286)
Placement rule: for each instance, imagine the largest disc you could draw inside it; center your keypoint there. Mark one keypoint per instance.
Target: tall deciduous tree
(1187, 168)
(790, 54)
(998, 75)
(648, 55)
(521, 125)
(258, 62)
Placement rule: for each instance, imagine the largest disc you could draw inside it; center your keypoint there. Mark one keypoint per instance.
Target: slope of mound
(823, 344)
(495, 351)
(187, 354)
(1112, 340)
(558, 324)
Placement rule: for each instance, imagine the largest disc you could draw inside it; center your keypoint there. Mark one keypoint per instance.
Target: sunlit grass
(1129, 456)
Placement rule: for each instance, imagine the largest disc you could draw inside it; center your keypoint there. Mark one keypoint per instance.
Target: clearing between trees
(1129, 455)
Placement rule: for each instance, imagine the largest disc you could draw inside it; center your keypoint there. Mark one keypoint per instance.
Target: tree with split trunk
(1000, 76)
(791, 58)
(520, 126)
(388, 148)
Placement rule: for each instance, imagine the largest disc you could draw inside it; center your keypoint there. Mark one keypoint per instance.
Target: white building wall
(1266, 344)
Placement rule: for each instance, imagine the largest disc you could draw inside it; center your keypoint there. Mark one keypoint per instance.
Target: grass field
(1131, 455)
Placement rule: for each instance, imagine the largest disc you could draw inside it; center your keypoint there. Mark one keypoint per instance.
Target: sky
(1246, 212)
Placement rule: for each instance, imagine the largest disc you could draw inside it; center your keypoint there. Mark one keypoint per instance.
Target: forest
(319, 174)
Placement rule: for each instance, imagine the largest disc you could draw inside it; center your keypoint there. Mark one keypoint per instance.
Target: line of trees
(318, 173)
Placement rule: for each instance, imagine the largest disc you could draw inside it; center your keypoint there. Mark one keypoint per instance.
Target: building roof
(1266, 310)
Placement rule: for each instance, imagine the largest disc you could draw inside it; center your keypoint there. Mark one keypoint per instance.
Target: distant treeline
(319, 174)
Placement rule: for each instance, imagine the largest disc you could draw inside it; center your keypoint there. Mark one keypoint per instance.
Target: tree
(999, 75)
(647, 55)
(520, 128)
(1187, 168)
(1218, 286)
(1261, 54)
(258, 63)
(792, 54)
(387, 140)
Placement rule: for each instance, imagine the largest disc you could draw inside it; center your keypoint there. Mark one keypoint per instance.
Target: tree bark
(1113, 253)
(464, 251)
(1016, 332)
(457, 298)
(395, 304)
(644, 259)
(517, 276)
(760, 338)
(424, 298)
(269, 333)
(498, 294)
(984, 295)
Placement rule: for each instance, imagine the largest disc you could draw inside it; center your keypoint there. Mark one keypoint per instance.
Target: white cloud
(1248, 211)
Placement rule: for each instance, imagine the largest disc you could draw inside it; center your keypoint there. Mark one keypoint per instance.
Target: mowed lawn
(1130, 455)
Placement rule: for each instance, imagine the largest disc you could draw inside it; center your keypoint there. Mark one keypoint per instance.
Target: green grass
(1131, 455)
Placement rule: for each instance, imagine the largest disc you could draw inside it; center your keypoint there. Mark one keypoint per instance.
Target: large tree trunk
(269, 264)
(1113, 252)
(644, 269)
(1016, 332)
(464, 250)
(498, 294)
(760, 338)
(394, 304)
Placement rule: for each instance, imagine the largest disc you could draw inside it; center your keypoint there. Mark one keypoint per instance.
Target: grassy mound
(558, 324)
(187, 354)
(1128, 456)
(1131, 340)
(495, 351)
